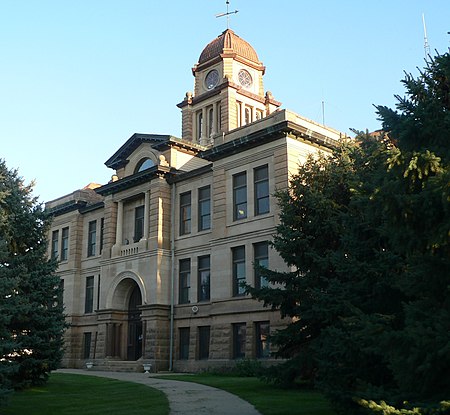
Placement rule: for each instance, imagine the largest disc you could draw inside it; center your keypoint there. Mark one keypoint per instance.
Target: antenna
(426, 46)
(227, 14)
(323, 112)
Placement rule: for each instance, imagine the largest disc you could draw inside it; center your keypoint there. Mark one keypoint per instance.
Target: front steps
(115, 365)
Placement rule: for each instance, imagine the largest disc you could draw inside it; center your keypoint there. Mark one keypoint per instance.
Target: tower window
(210, 122)
(212, 79)
(248, 116)
(219, 117)
(199, 125)
(245, 79)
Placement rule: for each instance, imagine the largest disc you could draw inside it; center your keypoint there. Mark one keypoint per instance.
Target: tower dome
(228, 42)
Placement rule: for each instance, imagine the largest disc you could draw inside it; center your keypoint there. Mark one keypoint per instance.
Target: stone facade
(152, 261)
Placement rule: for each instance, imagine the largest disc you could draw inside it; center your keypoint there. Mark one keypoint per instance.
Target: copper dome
(228, 41)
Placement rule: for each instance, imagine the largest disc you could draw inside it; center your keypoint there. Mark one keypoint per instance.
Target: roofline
(268, 134)
(175, 178)
(119, 158)
(67, 207)
(133, 180)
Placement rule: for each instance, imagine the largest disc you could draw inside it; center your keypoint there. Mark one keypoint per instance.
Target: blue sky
(78, 78)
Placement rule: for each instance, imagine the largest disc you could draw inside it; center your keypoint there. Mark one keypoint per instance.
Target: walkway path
(185, 398)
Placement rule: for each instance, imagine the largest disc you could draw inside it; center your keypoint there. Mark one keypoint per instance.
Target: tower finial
(227, 14)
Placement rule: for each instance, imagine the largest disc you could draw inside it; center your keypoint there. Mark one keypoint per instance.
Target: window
(92, 237)
(184, 343)
(238, 270)
(55, 237)
(185, 277)
(203, 278)
(203, 342)
(210, 122)
(199, 126)
(89, 298)
(259, 114)
(262, 331)
(144, 164)
(239, 337)
(61, 292)
(219, 117)
(138, 223)
(238, 113)
(102, 233)
(261, 176)
(245, 79)
(248, 117)
(204, 208)
(261, 258)
(87, 338)
(185, 213)
(240, 196)
(64, 244)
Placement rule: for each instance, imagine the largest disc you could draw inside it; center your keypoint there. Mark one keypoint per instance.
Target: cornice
(67, 207)
(265, 135)
(133, 180)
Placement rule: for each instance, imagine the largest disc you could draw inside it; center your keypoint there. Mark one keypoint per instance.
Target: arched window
(219, 118)
(248, 118)
(199, 126)
(238, 114)
(210, 122)
(144, 164)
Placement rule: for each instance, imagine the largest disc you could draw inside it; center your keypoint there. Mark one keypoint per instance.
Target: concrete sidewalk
(185, 398)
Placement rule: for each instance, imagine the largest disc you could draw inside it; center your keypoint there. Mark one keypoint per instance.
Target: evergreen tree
(31, 315)
(366, 232)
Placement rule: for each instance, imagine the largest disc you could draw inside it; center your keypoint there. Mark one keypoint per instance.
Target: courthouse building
(152, 262)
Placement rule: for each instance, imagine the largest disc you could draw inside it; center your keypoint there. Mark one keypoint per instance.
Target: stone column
(146, 214)
(119, 223)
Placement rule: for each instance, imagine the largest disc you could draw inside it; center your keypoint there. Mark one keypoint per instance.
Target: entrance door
(134, 350)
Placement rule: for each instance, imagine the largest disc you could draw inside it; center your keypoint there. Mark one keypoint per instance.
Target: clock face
(245, 79)
(212, 79)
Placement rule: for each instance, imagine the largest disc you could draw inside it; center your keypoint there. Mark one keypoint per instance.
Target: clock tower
(228, 91)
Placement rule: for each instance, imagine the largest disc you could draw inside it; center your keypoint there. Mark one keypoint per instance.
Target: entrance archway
(134, 336)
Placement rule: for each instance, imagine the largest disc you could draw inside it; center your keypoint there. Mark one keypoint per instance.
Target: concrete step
(116, 365)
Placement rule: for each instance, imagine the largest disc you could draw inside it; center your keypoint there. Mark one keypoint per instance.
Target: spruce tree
(366, 233)
(31, 314)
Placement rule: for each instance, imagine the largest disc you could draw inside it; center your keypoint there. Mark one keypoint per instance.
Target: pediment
(125, 153)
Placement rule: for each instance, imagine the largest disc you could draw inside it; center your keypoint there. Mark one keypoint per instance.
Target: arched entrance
(134, 337)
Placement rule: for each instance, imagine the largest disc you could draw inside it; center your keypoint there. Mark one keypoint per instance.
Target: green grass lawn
(267, 399)
(67, 394)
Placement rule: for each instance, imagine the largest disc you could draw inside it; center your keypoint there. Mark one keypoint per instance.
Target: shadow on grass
(67, 394)
(267, 399)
